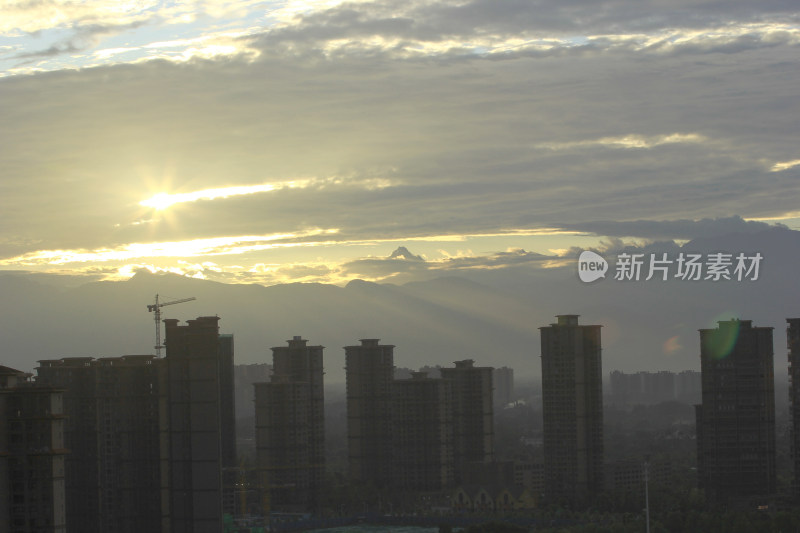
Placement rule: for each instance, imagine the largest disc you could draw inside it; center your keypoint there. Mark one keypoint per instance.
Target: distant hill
(491, 316)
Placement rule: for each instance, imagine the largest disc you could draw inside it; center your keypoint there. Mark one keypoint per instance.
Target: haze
(302, 141)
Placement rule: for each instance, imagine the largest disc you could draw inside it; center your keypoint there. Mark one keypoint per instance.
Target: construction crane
(157, 308)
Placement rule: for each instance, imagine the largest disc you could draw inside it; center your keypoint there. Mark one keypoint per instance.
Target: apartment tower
(503, 385)
(369, 369)
(423, 433)
(793, 345)
(31, 456)
(736, 421)
(112, 431)
(473, 415)
(192, 443)
(572, 395)
(290, 428)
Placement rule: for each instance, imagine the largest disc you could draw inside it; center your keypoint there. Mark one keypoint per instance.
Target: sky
(321, 141)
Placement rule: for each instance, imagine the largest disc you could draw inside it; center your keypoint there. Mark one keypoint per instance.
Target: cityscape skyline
(438, 436)
(435, 180)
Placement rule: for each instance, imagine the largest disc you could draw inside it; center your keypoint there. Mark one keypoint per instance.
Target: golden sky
(270, 142)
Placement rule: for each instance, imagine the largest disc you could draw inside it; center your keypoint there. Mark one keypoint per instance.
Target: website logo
(591, 266)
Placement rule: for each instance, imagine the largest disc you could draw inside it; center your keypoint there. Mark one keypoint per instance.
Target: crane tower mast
(156, 307)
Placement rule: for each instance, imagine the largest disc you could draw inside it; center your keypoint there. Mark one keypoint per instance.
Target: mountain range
(489, 315)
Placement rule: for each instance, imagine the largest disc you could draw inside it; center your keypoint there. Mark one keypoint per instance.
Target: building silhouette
(369, 372)
(572, 395)
(736, 421)
(290, 428)
(473, 415)
(503, 386)
(793, 346)
(244, 377)
(193, 444)
(148, 436)
(625, 388)
(227, 400)
(642, 388)
(77, 376)
(283, 451)
(423, 437)
(112, 472)
(32, 456)
(688, 387)
(419, 433)
(127, 400)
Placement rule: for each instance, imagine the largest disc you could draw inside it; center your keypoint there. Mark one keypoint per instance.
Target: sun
(159, 202)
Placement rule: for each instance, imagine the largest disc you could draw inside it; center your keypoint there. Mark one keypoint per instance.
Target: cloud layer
(395, 121)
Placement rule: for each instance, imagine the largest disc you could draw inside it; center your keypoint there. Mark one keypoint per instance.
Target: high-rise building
(192, 441)
(31, 456)
(128, 443)
(112, 431)
(572, 394)
(290, 427)
(77, 376)
(227, 400)
(147, 436)
(503, 384)
(793, 345)
(473, 416)
(369, 370)
(283, 454)
(423, 433)
(736, 421)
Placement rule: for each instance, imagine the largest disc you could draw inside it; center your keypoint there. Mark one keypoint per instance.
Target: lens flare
(720, 342)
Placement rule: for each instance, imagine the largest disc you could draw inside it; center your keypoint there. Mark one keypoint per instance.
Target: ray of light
(242, 244)
(190, 248)
(163, 200)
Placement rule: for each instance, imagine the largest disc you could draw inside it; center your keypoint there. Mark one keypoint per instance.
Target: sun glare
(159, 202)
(164, 200)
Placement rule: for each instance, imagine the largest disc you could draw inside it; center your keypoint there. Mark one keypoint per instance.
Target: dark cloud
(406, 267)
(614, 246)
(496, 260)
(672, 229)
(544, 29)
(434, 21)
(384, 268)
